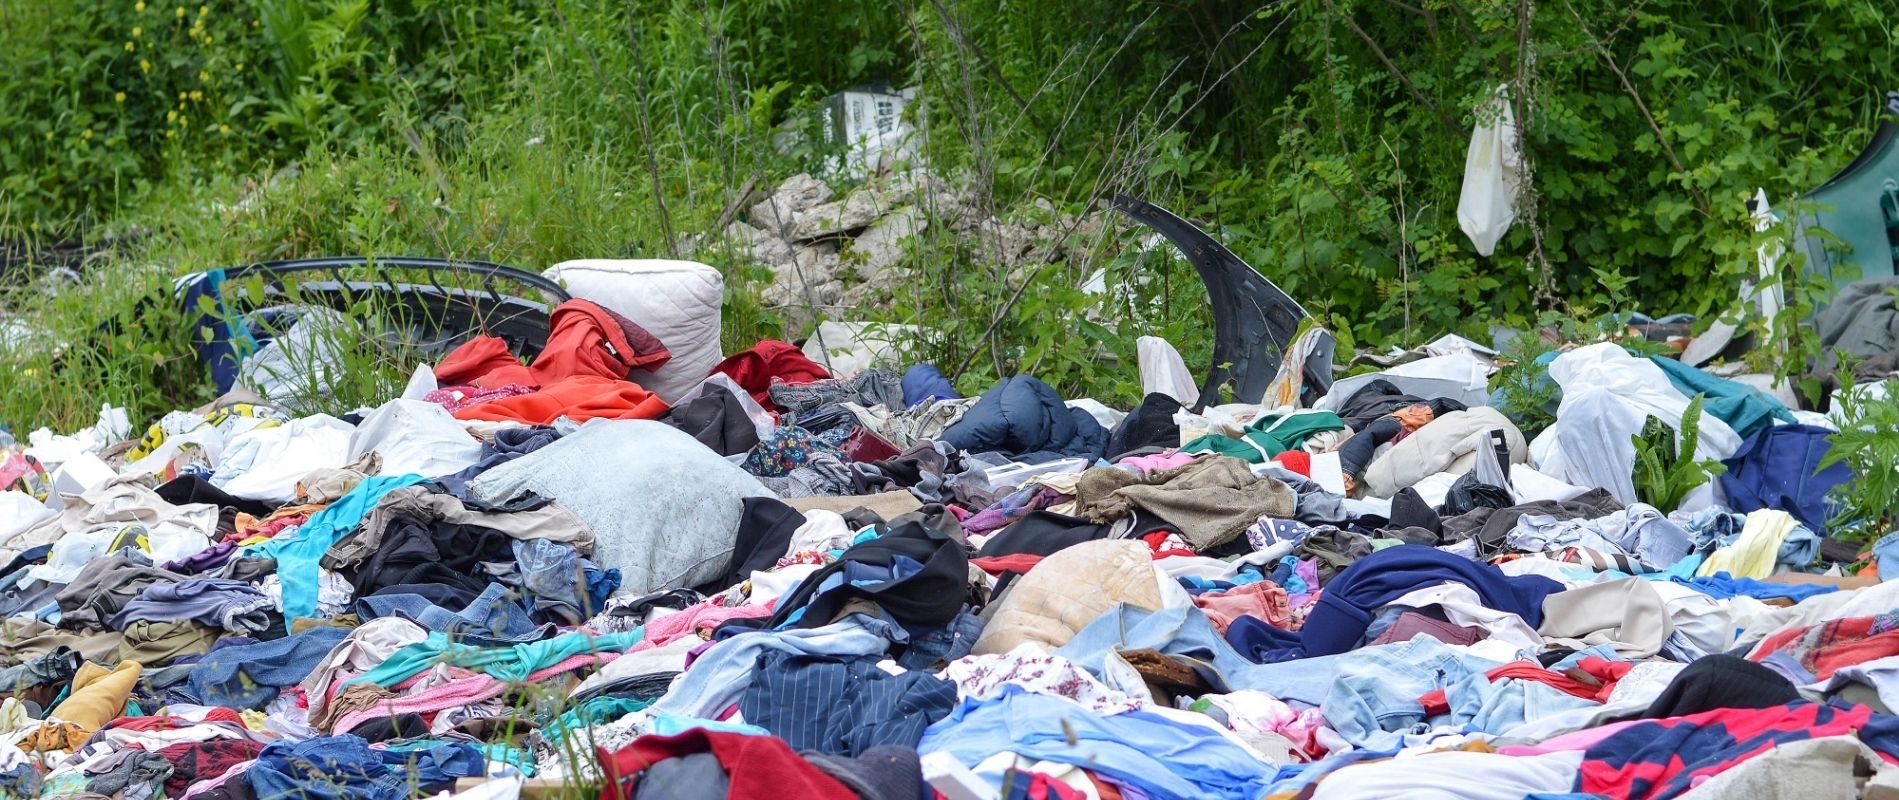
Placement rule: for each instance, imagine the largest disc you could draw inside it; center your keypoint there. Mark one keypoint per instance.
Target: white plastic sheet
(848, 348)
(1164, 371)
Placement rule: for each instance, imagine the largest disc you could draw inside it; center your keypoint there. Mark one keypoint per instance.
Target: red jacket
(580, 374)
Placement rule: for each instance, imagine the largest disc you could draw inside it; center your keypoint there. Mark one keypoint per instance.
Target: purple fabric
(1009, 509)
(206, 559)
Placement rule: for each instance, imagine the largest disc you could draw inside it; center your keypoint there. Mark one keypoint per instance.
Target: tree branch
(1701, 202)
(1444, 119)
(963, 40)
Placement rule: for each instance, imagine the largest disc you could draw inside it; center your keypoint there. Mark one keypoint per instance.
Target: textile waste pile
(786, 574)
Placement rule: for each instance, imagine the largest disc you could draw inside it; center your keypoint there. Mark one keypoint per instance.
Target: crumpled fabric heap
(798, 585)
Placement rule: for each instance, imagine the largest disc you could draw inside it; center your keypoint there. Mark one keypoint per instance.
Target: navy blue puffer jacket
(1023, 418)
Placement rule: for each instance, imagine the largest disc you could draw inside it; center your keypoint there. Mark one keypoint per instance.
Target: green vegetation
(1666, 469)
(1323, 141)
(1868, 443)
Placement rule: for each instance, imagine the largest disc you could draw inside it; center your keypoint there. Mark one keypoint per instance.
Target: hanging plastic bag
(1164, 371)
(1492, 173)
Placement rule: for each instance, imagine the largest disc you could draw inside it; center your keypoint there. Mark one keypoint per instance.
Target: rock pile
(831, 255)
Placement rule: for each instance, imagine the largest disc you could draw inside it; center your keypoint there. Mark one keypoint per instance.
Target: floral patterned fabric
(1035, 670)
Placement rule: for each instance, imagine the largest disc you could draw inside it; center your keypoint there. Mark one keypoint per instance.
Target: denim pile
(785, 583)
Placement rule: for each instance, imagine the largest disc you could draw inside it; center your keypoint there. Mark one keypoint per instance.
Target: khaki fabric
(1066, 591)
(1628, 615)
(159, 643)
(1211, 500)
(1448, 444)
(888, 505)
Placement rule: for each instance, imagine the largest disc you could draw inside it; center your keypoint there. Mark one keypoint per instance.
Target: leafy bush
(1666, 469)
(1324, 142)
(1868, 443)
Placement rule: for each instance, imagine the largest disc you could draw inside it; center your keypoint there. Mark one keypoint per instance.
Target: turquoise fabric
(512, 663)
(592, 710)
(1268, 436)
(1744, 408)
(297, 554)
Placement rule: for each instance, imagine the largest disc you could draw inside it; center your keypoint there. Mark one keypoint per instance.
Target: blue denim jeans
(1375, 690)
(491, 619)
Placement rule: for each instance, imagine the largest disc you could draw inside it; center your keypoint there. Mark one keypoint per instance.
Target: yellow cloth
(54, 735)
(98, 695)
(1753, 555)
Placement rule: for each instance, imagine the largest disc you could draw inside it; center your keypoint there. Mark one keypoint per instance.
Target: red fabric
(865, 447)
(1043, 787)
(201, 761)
(587, 339)
(1601, 672)
(477, 358)
(996, 565)
(759, 767)
(1435, 702)
(166, 722)
(1298, 461)
(1158, 539)
(579, 398)
(1830, 645)
(584, 338)
(755, 369)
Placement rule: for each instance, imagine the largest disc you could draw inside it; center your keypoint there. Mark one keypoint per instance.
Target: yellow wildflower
(181, 12)
(136, 32)
(184, 122)
(182, 96)
(203, 10)
(139, 6)
(224, 129)
(144, 66)
(203, 76)
(197, 95)
(86, 134)
(119, 97)
(171, 116)
(129, 47)
(239, 67)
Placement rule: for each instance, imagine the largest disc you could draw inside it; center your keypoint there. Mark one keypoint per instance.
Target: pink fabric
(1568, 742)
(1265, 600)
(428, 701)
(458, 692)
(673, 627)
(456, 398)
(1146, 464)
(569, 664)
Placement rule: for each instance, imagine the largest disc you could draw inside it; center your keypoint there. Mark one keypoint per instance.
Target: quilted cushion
(677, 301)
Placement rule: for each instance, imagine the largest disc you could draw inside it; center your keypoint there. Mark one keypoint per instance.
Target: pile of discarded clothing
(776, 581)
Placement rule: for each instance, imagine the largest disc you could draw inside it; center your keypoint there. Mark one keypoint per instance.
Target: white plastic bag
(1492, 173)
